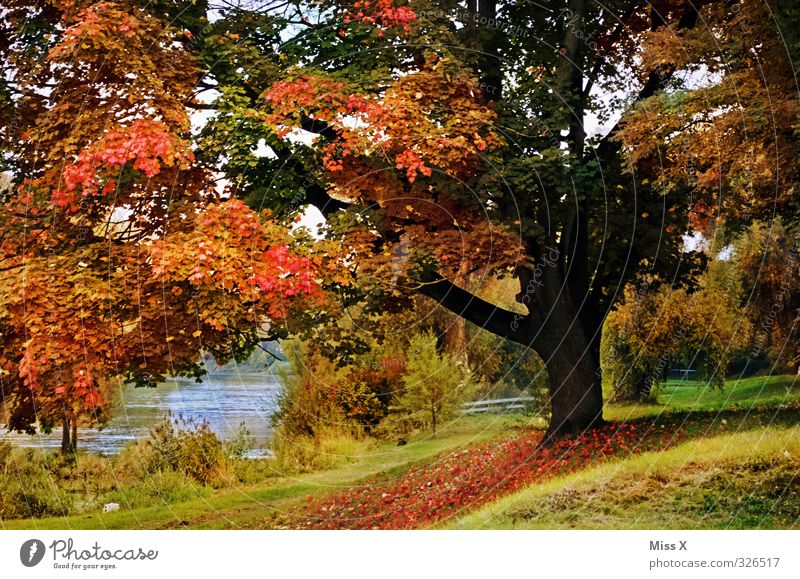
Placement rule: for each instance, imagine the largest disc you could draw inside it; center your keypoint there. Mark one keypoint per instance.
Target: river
(225, 399)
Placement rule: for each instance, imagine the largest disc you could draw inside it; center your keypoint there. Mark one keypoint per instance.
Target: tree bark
(573, 371)
(74, 442)
(66, 443)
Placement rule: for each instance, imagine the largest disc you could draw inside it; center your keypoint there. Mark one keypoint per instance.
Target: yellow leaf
(197, 334)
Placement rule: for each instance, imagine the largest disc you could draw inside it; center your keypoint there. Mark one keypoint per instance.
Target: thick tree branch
(318, 127)
(316, 194)
(488, 316)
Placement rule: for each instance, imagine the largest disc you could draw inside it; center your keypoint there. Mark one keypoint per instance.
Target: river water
(225, 399)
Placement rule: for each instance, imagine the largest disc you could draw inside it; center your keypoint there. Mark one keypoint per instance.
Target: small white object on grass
(108, 507)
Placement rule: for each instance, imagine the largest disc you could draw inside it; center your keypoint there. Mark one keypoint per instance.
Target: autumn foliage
(375, 157)
(121, 261)
(466, 479)
(134, 235)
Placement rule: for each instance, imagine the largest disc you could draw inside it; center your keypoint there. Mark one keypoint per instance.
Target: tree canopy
(571, 146)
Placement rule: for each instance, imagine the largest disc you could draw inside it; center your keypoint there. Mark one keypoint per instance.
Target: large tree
(461, 131)
(444, 141)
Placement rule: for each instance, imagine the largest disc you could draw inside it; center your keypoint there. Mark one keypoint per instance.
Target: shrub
(28, 487)
(240, 443)
(650, 330)
(254, 470)
(506, 368)
(317, 396)
(327, 449)
(202, 455)
(307, 404)
(181, 445)
(93, 474)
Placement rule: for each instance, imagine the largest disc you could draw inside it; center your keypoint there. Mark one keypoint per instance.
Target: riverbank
(253, 505)
(226, 399)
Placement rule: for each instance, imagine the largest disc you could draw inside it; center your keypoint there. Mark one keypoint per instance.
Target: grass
(747, 393)
(757, 391)
(733, 473)
(255, 505)
(742, 480)
(741, 471)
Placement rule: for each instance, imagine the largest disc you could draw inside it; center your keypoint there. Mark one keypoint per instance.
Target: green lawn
(748, 393)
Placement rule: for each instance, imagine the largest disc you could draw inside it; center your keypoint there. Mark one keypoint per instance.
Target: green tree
(765, 257)
(435, 383)
(654, 329)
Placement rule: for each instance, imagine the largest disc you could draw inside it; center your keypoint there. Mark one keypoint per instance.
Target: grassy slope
(624, 490)
(729, 478)
(742, 480)
(248, 506)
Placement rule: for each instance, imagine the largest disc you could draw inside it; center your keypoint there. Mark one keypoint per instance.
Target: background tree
(765, 258)
(653, 330)
(435, 384)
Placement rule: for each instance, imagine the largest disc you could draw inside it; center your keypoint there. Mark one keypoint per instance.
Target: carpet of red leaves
(424, 496)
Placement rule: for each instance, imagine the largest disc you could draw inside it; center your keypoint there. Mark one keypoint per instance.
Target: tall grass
(179, 460)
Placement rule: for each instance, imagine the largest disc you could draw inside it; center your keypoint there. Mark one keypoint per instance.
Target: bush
(507, 369)
(93, 474)
(29, 485)
(318, 396)
(239, 444)
(327, 449)
(254, 471)
(652, 330)
(180, 445)
(307, 405)
(177, 462)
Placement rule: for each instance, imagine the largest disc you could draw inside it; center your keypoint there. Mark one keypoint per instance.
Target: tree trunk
(554, 330)
(66, 443)
(572, 359)
(433, 418)
(74, 442)
(574, 382)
